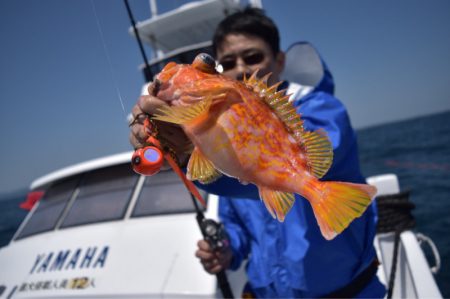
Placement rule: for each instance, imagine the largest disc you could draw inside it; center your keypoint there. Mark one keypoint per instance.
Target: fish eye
(207, 59)
(205, 63)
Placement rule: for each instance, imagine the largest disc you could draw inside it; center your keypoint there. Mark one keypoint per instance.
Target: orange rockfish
(250, 131)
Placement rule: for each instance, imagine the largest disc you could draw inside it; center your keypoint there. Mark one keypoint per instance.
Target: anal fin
(201, 169)
(278, 203)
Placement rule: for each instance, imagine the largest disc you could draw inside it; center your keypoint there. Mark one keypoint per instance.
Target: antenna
(153, 8)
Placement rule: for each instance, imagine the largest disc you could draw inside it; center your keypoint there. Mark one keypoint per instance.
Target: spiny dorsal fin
(201, 169)
(182, 114)
(278, 101)
(316, 144)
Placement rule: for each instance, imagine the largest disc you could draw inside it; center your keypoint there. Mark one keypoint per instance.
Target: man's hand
(172, 134)
(213, 261)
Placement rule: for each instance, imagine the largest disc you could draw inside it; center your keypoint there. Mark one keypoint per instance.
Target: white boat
(102, 231)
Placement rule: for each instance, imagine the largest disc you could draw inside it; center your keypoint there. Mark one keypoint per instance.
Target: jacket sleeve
(238, 236)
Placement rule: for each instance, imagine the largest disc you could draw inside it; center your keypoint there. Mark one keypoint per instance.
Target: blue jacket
(292, 259)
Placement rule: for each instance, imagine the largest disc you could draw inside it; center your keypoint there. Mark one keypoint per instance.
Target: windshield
(50, 208)
(106, 195)
(163, 194)
(103, 196)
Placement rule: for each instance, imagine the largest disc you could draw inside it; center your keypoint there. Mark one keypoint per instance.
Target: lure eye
(204, 63)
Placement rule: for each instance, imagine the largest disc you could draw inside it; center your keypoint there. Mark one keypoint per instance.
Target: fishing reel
(215, 234)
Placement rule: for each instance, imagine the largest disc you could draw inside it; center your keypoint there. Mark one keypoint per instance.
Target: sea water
(417, 150)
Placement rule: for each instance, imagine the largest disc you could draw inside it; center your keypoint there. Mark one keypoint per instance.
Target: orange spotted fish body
(251, 131)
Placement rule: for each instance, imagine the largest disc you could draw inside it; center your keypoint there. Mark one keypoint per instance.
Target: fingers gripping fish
(250, 131)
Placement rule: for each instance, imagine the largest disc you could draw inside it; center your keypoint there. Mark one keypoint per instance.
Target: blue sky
(59, 101)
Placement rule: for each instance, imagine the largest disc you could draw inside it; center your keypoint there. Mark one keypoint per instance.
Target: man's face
(242, 54)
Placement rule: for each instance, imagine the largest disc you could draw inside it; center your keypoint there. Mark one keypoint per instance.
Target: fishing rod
(149, 160)
(147, 71)
(214, 233)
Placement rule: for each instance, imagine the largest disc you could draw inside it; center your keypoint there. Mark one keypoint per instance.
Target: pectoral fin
(319, 152)
(201, 169)
(183, 114)
(277, 203)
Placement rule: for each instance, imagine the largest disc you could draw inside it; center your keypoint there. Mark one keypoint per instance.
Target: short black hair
(252, 21)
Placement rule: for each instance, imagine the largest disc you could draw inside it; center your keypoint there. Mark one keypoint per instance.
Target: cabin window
(50, 208)
(164, 193)
(104, 195)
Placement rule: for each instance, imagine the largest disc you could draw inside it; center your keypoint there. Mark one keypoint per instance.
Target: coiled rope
(394, 215)
(394, 212)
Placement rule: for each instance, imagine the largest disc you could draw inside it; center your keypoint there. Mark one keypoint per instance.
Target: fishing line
(108, 58)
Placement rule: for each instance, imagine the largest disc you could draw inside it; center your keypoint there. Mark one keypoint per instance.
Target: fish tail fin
(337, 204)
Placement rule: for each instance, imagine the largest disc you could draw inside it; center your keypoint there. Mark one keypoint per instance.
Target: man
(289, 259)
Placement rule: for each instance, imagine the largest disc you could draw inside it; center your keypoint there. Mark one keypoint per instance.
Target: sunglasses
(249, 59)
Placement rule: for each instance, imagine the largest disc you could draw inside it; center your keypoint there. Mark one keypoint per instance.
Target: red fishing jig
(148, 160)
